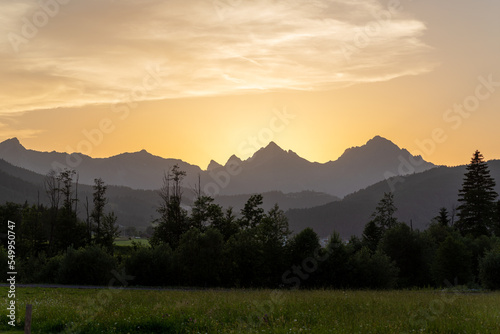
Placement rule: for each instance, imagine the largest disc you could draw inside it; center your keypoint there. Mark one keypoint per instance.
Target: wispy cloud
(96, 51)
(7, 131)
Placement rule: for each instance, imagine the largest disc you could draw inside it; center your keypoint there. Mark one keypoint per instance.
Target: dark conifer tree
(477, 198)
(442, 219)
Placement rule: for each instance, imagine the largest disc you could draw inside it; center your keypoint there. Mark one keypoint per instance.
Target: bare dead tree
(453, 213)
(197, 189)
(165, 189)
(177, 177)
(52, 184)
(89, 227)
(76, 192)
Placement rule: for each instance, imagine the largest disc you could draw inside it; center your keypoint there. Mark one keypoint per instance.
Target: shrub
(90, 266)
(50, 271)
(150, 266)
(334, 271)
(408, 250)
(453, 262)
(489, 270)
(199, 257)
(29, 268)
(373, 271)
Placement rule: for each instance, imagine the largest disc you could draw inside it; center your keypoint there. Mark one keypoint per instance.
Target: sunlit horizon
(199, 81)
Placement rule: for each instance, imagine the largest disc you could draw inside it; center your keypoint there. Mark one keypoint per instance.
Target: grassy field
(254, 311)
(128, 242)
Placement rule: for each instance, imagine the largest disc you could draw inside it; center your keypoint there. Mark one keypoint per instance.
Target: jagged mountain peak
(374, 145)
(12, 142)
(144, 153)
(233, 159)
(138, 154)
(273, 146)
(379, 140)
(213, 165)
(270, 168)
(272, 150)
(383, 144)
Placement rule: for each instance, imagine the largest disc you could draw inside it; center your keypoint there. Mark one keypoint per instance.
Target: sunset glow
(201, 80)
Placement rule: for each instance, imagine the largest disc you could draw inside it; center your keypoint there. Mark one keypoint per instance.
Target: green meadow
(254, 311)
(129, 242)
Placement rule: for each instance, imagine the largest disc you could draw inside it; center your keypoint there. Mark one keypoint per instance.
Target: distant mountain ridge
(302, 200)
(138, 170)
(270, 169)
(418, 198)
(135, 207)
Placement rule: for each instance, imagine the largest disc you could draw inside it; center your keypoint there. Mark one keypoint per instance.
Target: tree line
(49, 230)
(209, 246)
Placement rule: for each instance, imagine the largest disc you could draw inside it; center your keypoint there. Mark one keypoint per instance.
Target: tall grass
(255, 311)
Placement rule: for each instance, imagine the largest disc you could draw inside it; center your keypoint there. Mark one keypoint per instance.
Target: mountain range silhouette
(269, 169)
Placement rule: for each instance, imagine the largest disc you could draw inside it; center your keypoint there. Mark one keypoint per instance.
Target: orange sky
(202, 80)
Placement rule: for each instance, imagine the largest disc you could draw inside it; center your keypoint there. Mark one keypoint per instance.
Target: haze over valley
(336, 196)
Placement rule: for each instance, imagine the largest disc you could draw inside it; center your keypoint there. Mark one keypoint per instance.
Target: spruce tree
(442, 219)
(477, 198)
